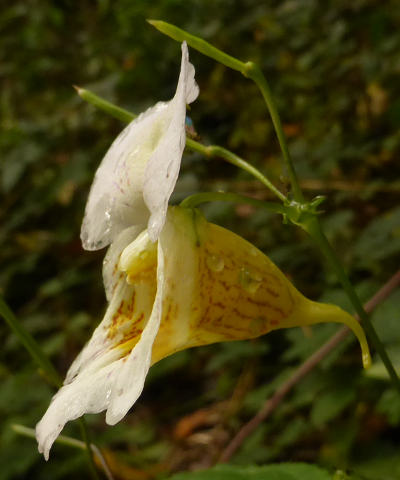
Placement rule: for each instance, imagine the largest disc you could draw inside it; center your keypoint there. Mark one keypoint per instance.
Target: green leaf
(389, 405)
(380, 240)
(283, 471)
(386, 319)
(330, 404)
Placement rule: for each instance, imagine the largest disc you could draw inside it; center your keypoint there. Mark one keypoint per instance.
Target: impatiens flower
(137, 175)
(197, 285)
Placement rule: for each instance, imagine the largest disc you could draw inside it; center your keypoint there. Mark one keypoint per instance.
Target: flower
(133, 184)
(199, 284)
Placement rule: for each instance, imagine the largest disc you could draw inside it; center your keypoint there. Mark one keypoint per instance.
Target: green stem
(61, 439)
(42, 361)
(253, 71)
(68, 441)
(209, 151)
(216, 151)
(89, 451)
(197, 43)
(314, 229)
(108, 107)
(198, 198)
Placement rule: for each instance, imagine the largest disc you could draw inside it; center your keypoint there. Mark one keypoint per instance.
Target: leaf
(386, 319)
(283, 471)
(389, 405)
(380, 240)
(330, 404)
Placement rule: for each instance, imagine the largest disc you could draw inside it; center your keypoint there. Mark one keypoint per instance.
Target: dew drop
(366, 359)
(215, 263)
(250, 281)
(253, 251)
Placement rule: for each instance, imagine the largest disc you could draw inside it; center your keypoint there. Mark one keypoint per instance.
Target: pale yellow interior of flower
(131, 316)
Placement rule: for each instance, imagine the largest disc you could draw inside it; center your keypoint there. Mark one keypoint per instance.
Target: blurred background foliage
(334, 69)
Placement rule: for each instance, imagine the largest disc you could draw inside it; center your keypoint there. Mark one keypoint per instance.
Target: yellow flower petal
(219, 287)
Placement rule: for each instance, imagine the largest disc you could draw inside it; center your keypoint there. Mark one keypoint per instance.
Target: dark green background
(334, 68)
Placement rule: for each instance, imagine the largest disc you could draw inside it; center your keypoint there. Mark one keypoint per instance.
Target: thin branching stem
(253, 72)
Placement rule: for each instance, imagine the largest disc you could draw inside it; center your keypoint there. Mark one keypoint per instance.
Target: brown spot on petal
(246, 297)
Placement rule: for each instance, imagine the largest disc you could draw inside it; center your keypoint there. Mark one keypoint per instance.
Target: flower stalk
(254, 73)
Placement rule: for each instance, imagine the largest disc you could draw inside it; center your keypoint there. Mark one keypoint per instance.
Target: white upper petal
(139, 171)
(116, 197)
(162, 169)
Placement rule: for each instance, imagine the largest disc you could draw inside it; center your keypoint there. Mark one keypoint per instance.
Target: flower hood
(197, 285)
(136, 177)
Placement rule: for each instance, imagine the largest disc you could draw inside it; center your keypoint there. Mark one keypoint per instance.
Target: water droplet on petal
(215, 263)
(253, 251)
(250, 281)
(108, 394)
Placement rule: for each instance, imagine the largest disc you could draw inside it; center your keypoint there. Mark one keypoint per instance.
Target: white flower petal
(162, 169)
(116, 200)
(111, 273)
(132, 374)
(140, 169)
(88, 394)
